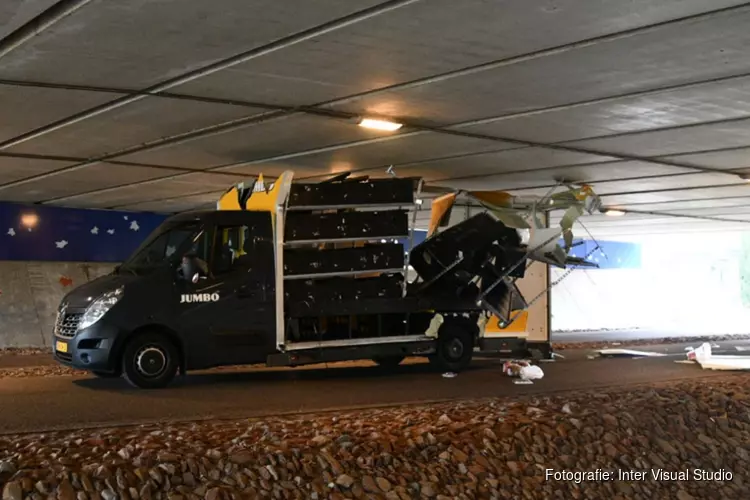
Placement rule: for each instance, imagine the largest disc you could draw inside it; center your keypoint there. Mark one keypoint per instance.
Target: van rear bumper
(89, 349)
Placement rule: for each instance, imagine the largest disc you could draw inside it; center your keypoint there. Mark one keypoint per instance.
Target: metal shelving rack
(410, 208)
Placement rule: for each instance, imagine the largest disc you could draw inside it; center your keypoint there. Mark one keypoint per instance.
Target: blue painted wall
(611, 254)
(44, 233)
(34, 233)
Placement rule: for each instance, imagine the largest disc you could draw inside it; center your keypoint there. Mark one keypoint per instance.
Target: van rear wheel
(455, 348)
(150, 361)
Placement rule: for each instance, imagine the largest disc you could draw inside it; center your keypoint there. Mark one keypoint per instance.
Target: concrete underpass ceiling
(159, 106)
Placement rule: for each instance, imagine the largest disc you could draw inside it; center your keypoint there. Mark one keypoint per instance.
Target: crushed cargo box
(480, 245)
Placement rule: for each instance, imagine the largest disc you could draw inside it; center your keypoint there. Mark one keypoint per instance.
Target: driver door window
(230, 249)
(162, 249)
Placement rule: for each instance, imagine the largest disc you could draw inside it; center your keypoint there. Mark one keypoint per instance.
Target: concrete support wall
(30, 293)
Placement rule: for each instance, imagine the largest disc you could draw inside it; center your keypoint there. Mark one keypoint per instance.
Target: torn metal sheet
(726, 363)
(629, 353)
(710, 361)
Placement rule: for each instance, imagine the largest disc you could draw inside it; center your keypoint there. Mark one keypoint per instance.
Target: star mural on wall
(61, 244)
(94, 230)
(11, 232)
(110, 231)
(134, 226)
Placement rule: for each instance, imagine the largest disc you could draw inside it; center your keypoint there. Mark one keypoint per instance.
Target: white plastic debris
(592, 356)
(629, 352)
(726, 363)
(450, 375)
(556, 355)
(709, 361)
(566, 408)
(523, 371)
(742, 348)
(703, 352)
(531, 372)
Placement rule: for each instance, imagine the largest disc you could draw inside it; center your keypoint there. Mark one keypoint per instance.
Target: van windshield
(164, 247)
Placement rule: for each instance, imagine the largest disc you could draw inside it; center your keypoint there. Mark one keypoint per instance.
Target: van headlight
(99, 308)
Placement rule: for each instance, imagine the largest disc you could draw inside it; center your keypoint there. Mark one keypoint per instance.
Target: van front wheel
(150, 361)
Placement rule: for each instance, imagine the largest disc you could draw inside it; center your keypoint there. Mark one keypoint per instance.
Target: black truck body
(293, 275)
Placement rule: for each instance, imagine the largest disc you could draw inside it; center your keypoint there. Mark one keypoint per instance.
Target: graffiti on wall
(45, 233)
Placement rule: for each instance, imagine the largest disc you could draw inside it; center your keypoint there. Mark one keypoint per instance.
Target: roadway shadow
(262, 374)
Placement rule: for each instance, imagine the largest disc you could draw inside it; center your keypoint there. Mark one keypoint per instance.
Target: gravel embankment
(481, 449)
(39, 371)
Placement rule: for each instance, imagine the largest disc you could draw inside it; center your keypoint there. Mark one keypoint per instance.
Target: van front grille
(67, 324)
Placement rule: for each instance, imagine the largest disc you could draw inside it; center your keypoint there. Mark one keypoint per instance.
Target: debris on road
(450, 375)
(603, 344)
(709, 361)
(629, 353)
(531, 372)
(512, 368)
(471, 449)
(523, 371)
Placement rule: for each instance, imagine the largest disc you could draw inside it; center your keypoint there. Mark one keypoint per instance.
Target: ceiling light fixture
(379, 124)
(29, 220)
(613, 213)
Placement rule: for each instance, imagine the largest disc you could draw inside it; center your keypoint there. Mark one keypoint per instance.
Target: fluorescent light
(379, 124)
(614, 213)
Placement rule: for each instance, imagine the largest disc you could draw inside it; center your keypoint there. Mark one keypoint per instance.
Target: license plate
(61, 346)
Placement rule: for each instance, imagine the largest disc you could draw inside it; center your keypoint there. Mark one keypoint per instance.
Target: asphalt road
(46, 403)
